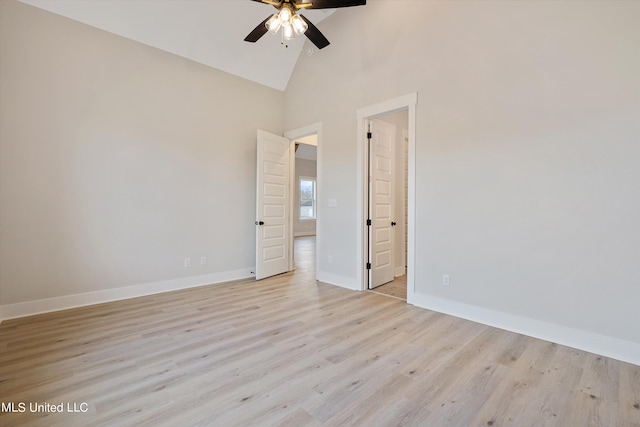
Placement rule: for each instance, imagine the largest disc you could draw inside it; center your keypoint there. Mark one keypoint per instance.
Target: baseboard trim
(400, 271)
(337, 280)
(615, 348)
(29, 308)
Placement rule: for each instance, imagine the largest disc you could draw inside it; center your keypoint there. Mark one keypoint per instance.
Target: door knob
(259, 222)
(393, 223)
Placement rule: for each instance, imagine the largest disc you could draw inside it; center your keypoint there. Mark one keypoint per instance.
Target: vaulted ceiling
(210, 32)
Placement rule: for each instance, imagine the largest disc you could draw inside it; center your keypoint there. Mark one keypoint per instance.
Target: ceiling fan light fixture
(298, 24)
(293, 24)
(285, 15)
(288, 32)
(274, 23)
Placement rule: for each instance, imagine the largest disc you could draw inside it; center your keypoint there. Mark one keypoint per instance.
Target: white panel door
(381, 203)
(272, 205)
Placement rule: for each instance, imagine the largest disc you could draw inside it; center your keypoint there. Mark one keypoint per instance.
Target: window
(307, 198)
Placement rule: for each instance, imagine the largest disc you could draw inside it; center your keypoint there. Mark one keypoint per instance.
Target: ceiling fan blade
(314, 34)
(258, 32)
(331, 4)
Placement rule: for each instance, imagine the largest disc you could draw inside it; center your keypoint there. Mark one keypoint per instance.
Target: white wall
(528, 122)
(118, 161)
(303, 227)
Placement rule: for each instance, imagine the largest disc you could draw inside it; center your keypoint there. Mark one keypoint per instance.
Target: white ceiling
(211, 32)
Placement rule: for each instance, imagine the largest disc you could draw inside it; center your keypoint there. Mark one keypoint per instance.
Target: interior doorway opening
(306, 185)
(380, 204)
(387, 207)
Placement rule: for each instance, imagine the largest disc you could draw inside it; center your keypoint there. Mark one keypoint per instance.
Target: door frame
(405, 221)
(407, 102)
(292, 135)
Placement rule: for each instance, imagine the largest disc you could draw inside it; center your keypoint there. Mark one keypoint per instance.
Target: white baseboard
(400, 271)
(615, 348)
(304, 233)
(338, 280)
(10, 311)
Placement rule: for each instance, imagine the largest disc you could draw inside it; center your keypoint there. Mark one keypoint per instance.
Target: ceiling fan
(293, 24)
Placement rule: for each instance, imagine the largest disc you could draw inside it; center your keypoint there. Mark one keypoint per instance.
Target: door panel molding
(272, 205)
(381, 203)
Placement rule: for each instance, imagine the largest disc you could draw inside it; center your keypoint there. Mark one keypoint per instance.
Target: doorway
(278, 198)
(304, 196)
(306, 185)
(365, 256)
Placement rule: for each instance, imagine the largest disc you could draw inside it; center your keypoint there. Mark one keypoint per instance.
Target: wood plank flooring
(288, 351)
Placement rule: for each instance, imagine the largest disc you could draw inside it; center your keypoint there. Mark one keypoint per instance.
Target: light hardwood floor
(288, 351)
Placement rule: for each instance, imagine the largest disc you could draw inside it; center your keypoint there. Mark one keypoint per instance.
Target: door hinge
(369, 135)
(369, 222)
(368, 266)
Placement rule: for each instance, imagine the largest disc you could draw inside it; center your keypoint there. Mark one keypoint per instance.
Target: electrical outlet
(203, 260)
(445, 280)
(187, 262)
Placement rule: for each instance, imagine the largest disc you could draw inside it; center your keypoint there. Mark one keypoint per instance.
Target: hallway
(305, 254)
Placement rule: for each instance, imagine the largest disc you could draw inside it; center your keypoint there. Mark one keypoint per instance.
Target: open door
(381, 157)
(272, 205)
